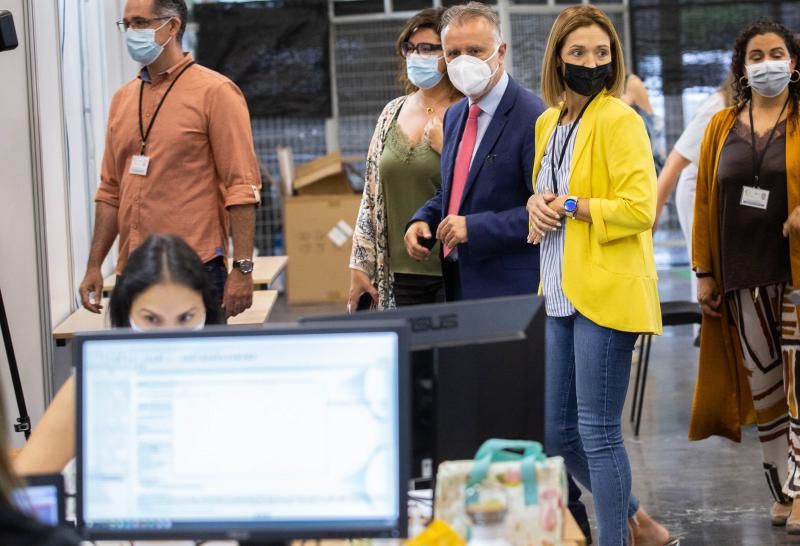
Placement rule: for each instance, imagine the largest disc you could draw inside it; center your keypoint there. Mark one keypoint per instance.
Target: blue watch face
(570, 205)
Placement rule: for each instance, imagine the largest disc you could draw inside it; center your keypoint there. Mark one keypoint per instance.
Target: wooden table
(265, 270)
(83, 320)
(572, 533)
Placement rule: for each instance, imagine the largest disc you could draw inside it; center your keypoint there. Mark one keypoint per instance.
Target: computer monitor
(42, 498)
(255, 435)
(478, 372)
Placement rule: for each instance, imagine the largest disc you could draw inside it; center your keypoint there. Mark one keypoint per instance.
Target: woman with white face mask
(403, 172)
(746, 257)
(164, 285)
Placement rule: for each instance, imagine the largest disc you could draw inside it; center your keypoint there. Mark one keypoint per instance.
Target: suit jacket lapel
(490, 137)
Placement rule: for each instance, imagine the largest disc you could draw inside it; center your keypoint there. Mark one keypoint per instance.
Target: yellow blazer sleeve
(630, 207)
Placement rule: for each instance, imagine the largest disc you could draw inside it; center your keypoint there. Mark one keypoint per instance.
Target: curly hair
(742, 92)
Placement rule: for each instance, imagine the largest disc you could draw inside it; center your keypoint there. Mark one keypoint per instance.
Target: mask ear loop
(159, 28)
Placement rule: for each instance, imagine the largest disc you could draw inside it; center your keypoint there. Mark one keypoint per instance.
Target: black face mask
(587, 81)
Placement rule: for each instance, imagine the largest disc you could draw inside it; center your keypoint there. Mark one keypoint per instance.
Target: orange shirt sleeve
(108, 191)
(231, 139)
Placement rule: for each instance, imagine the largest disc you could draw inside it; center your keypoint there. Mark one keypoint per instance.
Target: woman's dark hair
(741, 91)
(162, 258)
(427, 18)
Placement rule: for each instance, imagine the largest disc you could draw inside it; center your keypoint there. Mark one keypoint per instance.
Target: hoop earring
(797, 79)
(746, 83)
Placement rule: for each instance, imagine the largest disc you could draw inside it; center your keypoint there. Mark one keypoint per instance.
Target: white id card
(754, 197)
(139, 164)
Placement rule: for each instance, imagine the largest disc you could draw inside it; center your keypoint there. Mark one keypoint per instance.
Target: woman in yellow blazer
(748, 183)
(592, 214)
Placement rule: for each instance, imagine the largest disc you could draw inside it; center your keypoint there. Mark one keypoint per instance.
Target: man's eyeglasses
(138, 23)
(422, 48)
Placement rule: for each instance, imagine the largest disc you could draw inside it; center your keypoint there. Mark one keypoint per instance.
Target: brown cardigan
(722, 398)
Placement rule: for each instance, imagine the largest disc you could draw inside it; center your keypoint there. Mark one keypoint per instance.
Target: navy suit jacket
(496, 260)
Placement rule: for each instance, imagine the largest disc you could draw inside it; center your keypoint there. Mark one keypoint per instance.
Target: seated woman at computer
(164, 285)
(16, 528)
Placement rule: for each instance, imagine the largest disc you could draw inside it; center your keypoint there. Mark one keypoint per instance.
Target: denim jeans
(588, 367)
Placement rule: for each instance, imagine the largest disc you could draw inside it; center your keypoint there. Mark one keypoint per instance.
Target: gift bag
(533, 487)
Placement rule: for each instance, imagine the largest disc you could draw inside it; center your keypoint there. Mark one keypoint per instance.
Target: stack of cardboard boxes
(319, 215)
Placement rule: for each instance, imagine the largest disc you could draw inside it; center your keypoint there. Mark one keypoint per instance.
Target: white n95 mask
(471, 75)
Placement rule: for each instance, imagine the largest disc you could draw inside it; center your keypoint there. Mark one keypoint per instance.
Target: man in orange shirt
(178, 159)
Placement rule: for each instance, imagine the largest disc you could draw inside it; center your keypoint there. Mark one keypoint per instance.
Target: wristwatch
(571, 206)
(245, 266)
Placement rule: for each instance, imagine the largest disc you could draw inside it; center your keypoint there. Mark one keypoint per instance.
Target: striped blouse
(552, 246)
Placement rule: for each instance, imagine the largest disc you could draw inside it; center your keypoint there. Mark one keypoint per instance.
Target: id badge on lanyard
(755, 196)
(140, 163)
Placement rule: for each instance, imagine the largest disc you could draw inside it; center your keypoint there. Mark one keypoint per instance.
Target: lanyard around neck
(145, 134)
(553, 167)
(758, 159)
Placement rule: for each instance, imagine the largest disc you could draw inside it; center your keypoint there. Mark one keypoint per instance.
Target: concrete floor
(711, 492)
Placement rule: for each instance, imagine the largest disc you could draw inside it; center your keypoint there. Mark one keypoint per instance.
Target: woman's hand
(541, 218)
(709, 296)
(433, 134)
(792, 224)
(359, 285)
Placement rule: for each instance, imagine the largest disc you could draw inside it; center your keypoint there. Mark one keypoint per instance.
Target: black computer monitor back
(478, 373)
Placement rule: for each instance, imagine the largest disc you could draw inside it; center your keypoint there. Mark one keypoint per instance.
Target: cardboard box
(326, 175)
(318, 228)
(319, 236)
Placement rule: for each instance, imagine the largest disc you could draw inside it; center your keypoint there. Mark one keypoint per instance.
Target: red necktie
(463, 160)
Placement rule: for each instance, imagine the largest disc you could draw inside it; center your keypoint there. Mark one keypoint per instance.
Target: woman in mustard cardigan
(592, 214)
(748, 193)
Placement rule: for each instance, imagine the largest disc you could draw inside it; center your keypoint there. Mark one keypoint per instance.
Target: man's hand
(238, 294)
(792, 224)
(452, 231)
(92, 285)
(417, 230)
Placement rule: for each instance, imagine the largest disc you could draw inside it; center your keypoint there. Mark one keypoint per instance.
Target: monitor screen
(42, 498)
(289, 433)
(477, 372)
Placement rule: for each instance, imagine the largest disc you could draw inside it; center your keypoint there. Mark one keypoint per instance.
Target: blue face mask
(142, 45)
(423, 71)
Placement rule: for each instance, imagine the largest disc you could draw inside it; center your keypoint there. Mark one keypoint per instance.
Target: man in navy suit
(487, 160)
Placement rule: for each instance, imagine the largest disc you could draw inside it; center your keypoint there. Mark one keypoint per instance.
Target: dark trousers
(452, 286)
(412, 289)
(578, 509)
(217, 272)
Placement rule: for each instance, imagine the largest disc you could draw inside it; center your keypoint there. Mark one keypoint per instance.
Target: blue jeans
(588, 367)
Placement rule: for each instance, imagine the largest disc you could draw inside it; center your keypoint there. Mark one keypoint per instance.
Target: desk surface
(265, 270)
(572, 533)
(86, 321)
(572, 537)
